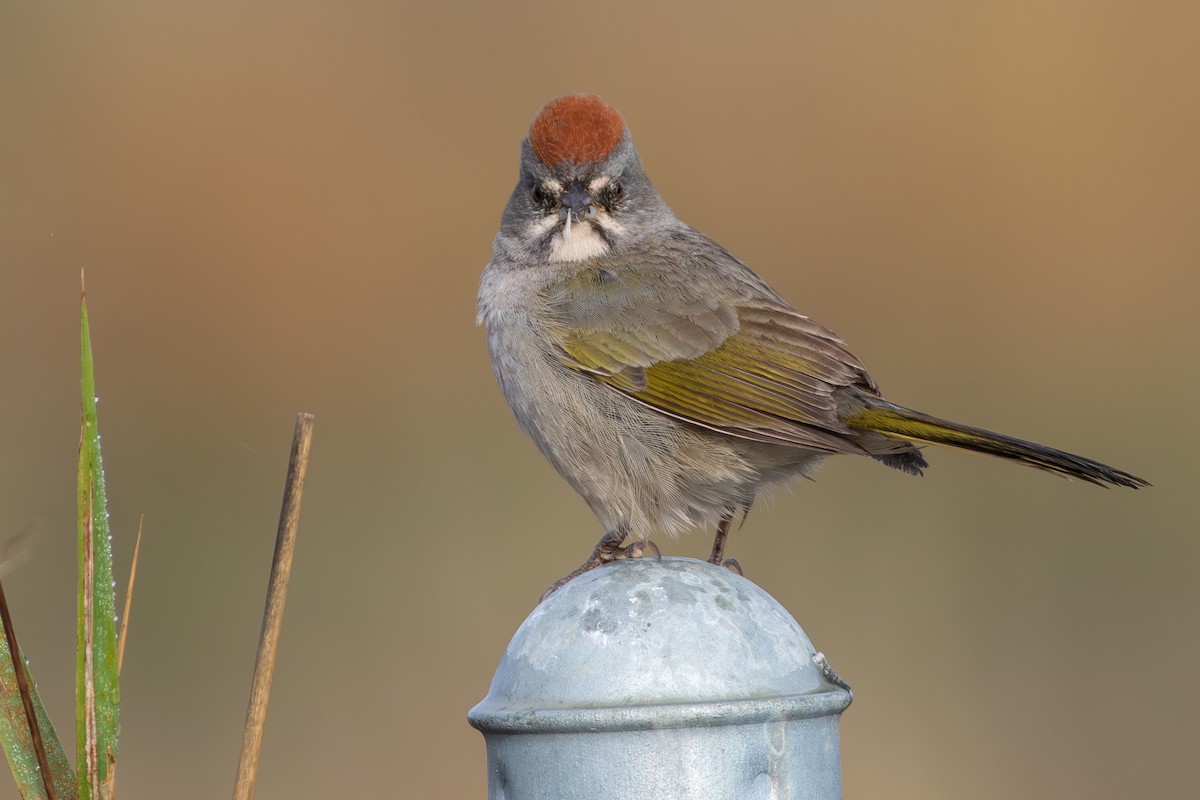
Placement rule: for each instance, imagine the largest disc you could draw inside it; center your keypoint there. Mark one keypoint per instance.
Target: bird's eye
(615, 191)
(539, 195)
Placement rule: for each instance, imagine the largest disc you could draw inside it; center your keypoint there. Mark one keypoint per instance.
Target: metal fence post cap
(656, 643)
(665, 679)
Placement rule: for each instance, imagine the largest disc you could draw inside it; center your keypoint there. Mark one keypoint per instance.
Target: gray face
(574, 212)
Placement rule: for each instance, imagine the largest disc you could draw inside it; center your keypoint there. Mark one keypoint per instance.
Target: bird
(663, 379)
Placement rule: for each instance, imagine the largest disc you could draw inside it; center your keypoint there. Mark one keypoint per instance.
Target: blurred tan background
(286, 206)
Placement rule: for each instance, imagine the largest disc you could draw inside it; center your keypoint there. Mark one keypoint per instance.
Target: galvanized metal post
(662, 679)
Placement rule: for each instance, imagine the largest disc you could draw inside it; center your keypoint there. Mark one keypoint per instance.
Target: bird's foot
(637, 549)
(717, 558)
(607, 550)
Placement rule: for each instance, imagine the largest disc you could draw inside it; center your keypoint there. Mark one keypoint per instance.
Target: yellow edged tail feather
(888, 419)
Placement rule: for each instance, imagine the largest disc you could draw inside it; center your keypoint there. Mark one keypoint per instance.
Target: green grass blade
(18, 744)
(96, 690)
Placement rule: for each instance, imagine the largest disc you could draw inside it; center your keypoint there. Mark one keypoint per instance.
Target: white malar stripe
(582, 243)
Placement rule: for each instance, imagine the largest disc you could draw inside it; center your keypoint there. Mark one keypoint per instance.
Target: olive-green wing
(751, 367)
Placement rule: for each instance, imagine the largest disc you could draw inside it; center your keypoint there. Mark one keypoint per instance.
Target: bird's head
(582, 192)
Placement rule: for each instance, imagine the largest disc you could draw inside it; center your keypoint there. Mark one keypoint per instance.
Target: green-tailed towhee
(667, 382)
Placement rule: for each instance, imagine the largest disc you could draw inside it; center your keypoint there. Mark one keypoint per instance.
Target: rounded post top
(653, 643)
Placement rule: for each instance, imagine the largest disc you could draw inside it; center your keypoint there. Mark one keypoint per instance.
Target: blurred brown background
(286, 206)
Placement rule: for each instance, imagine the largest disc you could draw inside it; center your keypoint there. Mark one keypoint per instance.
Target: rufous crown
(580, 128)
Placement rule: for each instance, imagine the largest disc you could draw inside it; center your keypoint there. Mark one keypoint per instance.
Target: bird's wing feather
(749, 366)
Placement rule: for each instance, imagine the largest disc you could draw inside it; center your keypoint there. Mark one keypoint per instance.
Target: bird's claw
(607, 551)
(636, 549)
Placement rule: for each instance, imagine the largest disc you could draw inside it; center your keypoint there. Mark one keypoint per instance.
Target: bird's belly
(639, 470)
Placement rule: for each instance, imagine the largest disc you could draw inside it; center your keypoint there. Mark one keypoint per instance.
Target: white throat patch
(582, 242)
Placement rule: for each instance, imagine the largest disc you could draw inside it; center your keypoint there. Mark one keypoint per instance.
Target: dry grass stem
(137, 546)
(268, 644)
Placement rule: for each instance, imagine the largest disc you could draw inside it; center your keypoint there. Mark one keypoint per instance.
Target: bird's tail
(897, 422)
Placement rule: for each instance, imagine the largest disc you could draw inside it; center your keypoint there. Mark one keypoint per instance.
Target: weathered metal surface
(661, 679)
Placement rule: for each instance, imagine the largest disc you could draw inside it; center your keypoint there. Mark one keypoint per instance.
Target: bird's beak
(576, 200)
